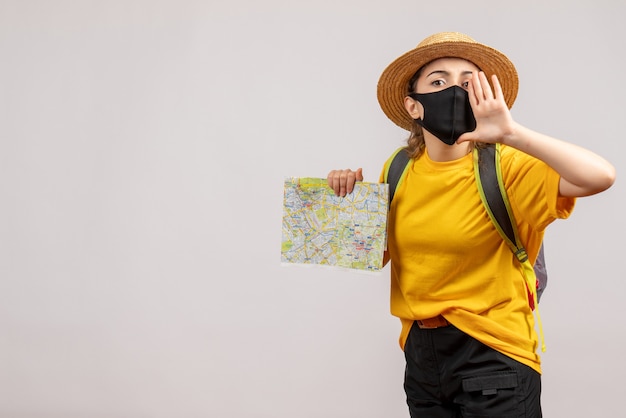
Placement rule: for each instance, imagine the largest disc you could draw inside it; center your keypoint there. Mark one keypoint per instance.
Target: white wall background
(143, 146)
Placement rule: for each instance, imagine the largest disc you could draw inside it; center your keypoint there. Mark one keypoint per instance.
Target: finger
(333, 181)
(329, 179)
(343, 182)
(359, 174)
(471, 92)
(467, 136)
(497, 87)
(486, 88)
(350, 180)
(477, 88)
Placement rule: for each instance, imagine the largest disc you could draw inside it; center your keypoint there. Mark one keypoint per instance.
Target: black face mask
(447, 113)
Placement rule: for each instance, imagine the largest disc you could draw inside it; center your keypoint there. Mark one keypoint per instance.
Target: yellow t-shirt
(448, 259)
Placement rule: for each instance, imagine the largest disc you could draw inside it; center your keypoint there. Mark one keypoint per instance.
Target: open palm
(493, 118)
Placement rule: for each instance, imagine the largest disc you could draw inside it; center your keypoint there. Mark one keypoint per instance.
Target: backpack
(494, 197)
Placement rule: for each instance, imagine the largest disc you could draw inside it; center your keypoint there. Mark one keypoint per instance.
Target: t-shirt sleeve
(533, 190)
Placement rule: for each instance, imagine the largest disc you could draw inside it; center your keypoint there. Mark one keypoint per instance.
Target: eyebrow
(443, 72)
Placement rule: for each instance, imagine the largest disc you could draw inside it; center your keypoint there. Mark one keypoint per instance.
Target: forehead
(449, 64)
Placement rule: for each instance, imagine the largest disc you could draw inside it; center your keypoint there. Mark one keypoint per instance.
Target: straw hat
(394, 81)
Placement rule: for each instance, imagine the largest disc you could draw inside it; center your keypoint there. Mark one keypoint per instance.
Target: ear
(414, 108)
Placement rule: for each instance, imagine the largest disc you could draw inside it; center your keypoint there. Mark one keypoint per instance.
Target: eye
(438, 83)
(465, 85)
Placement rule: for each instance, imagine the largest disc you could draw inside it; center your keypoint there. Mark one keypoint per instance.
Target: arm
(342, 181)
(582, 172)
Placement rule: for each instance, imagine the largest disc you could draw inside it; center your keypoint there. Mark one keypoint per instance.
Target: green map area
(321, 228)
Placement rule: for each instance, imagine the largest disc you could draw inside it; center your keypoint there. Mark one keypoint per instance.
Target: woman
(467, 328)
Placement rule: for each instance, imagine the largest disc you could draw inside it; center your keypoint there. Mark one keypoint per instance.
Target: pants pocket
(496, 394)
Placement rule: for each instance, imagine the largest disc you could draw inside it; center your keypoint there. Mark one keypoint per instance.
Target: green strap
(397, 166)
(493, 194)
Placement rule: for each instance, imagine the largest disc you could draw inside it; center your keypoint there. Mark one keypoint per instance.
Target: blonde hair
(415, 144)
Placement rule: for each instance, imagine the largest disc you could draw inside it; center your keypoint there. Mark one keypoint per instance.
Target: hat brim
(393, 83)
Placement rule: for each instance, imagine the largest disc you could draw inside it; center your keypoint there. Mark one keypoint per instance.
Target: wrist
(514, 136)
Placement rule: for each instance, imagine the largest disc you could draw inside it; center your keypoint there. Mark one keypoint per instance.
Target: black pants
(450, 374)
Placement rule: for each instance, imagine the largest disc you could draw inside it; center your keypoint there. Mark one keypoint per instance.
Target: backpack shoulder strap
(395, 170)
(493, 194)
(494, 197)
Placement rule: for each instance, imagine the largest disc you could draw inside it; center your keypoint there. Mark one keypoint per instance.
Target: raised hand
(493, 118)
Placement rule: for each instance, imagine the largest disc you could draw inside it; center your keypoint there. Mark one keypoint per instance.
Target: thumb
(359, 174)
(467, 136)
